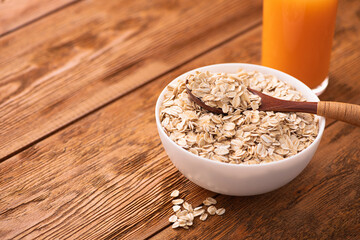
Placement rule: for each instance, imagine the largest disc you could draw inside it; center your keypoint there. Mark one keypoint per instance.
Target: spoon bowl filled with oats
(242, 151)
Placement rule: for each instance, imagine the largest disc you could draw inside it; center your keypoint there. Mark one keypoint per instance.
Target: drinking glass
(297, 39)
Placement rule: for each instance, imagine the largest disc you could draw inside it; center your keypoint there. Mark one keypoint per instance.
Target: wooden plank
(345, 55)
(16, 13)
(322, 203)
(317, 204)
(84, 188)
(112, 170)
(107, 175)
(105, 49)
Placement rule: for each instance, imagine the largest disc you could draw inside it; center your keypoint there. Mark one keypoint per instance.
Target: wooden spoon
(345, 112)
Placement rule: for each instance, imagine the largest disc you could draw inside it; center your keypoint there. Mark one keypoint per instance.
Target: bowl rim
(243, 65)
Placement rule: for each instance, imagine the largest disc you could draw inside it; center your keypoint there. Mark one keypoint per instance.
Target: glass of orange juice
(297, 38)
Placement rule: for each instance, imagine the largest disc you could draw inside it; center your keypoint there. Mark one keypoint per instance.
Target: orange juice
(297, 37)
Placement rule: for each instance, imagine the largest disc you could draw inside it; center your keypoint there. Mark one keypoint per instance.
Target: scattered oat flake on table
(220, 211)
(211, 200)
(211, 210)
(182, 222)
(175, 193)
(177, 201)
(176, 208)
(175, 225)
(190, 216)
(187, 206)
(173, 218)
(198, 212)
(203, 217)
(185, 218)
(181, 213)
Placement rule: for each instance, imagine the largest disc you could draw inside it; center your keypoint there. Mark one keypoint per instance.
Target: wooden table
(80, 156)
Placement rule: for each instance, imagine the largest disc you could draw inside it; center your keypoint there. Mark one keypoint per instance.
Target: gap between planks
(248, 29)
(101, 65)
(41, 16)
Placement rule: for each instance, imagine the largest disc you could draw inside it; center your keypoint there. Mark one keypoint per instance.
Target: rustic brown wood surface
(105, 175)
(74, 65)
(16, 13)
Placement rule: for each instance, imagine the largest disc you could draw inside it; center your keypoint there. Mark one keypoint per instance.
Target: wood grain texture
(349, 113)
(105, 187)
(91, 175)
(107, 176)
(322, 203)
(86, 186)
(16, 13)
(61, 68)
(343, 86)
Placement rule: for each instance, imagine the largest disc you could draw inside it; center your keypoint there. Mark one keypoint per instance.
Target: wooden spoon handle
(346, 112)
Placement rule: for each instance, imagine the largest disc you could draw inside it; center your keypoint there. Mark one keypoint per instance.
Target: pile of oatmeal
(244, 135)
(184, 217)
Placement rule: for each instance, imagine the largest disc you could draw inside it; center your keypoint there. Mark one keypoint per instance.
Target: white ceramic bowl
(238, 179)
